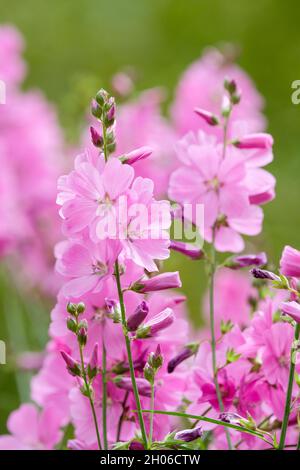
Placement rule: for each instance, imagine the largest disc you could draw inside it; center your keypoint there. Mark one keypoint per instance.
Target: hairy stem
(129, 354)
(287, 408)
(213, 337)
(104, 397)
(88, 391)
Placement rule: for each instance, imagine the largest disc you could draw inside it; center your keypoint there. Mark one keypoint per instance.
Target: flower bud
(243, 261)
(138, 316)
(230, 85)
(125, 384)
(156, 359)
(189, 435)
(72, 365)
(92, 368)
(188, 351)
(231, 418)
(96, 110)
(187, 249)
(80, 308)
(101, 97)
(208, 117)
(292, 309)
(72, 308)
(264, 274)
(136, 445)
(96, 137)
(149, 373)
(113, 310)
(82, 336)
(137, 155)
(156, 283)
(71, 324)
(157, 323)
(255, 141)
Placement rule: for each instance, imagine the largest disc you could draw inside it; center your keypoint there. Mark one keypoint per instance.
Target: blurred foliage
(74, 47)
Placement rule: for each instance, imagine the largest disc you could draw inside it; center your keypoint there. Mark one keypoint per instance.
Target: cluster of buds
(80, 329)
(152, 366)
(104, 109)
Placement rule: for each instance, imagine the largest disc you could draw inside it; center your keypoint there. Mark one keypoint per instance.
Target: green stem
(130, 361)
(213, 337)
(104, 397)
(151, 416)
(88, 391)
(122, 417)
(210, 420)
(104, 141)
(287, 408)
(298, 443)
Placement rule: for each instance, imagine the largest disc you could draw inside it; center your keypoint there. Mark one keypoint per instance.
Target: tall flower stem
(89, 395)
(212, 332)
(151, 415)
(104, 397)
(129, 354)
(287, 408)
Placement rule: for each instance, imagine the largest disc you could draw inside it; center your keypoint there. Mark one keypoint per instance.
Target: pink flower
(292, 309)
(89, 265)
(90, 194)
(31, 430)
(209, 394)
(157, 323)
(208, 179)
(290, 262)
(276, 356)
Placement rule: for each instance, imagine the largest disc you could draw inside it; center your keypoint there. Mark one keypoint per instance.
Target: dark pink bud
(96, 137)
(156, 283)
(187, 249)
(136, 445)
(138, 316)
(137, 155)
(188, 435)
(255, 141)
(208, 117)
(95, 357)
(231, 418)
(157, 323)
(292, 309)
(72, 365)
(264, 274)
(111, 114)
(188, 351)
(243, 261)
(125, 383)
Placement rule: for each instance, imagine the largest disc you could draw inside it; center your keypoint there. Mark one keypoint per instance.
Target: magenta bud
(187, 249)
(157, 323)
(125, 383)
(231, 418)
(138, 316)
(136, 445)
(264, 274)
(156, 283)
(95, 357)
(292, 309)
(255, 141)
(82, 336)
(208, 117)
(188, 351)
(72, 365)
(96, 137)
(137, 155)
(156, 359)
(111, 113)
(243, 261)
(188, 435)
(96, 110)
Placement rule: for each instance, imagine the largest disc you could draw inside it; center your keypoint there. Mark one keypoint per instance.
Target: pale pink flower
(31, 429)
(88, 265)
(292, 309)
(290, 262)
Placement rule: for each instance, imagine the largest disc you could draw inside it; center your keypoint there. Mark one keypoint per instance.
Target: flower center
(99, 268)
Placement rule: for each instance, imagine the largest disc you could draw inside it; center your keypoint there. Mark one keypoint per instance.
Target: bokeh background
(75, 46)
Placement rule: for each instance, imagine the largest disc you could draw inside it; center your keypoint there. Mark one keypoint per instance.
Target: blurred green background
(74, 47)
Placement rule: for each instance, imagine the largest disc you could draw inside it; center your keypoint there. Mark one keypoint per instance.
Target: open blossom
(88, 265)
(217, 183)
(290, 262)
(32, 430)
